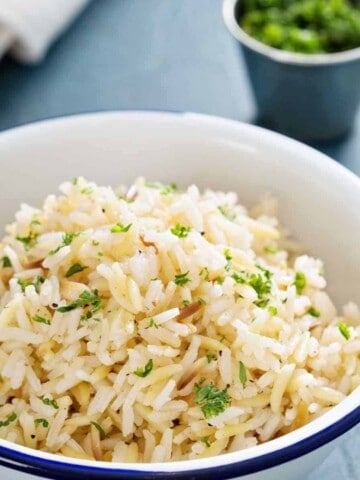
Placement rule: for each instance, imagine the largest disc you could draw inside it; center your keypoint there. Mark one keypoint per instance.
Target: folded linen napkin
(28, 27)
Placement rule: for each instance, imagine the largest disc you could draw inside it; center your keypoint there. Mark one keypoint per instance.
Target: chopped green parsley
(270, 249)
(85, 299)
(6, 262)
(228, 258)
(27, 282)
(76, 268)
(144, 372)
(313, 312)
(99, 429)
(205, 440)
(42, 421)
(211, 399)
(180, 230)
(28, 241)
(260, 282)
(86, 190)
(272, 310)
(344, 330)
(66, 241)
(120, 228)
(152, 323)
(39, 319)
(50, 403)
(210, 356)
(182, 279)
(227, 213)
(300, 282)
(242, 373)
(11, 418)
(164, 189)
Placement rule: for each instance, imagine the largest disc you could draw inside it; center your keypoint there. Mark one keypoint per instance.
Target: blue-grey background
(153, 54)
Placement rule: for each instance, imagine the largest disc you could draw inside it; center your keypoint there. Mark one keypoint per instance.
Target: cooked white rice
(201, 331)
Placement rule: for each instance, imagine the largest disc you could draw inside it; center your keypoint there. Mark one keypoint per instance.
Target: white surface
(28, 27)
(318, 198)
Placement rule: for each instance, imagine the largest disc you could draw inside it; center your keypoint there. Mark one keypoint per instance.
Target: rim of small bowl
(291, 446)
(282, 56)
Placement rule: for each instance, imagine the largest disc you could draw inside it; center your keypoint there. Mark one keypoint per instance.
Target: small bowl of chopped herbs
(303, 60)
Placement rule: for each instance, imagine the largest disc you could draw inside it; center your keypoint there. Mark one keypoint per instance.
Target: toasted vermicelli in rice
(151, 324)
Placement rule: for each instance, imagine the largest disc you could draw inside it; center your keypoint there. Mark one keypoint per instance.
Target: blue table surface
(158, 54)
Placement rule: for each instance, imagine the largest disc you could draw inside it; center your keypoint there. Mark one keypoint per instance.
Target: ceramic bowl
(319, 202)
(309, 97)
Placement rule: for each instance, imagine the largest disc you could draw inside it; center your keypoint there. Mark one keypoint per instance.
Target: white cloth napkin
(28, 27)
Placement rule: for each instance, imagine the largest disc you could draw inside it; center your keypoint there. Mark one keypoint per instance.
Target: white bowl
(319, 201)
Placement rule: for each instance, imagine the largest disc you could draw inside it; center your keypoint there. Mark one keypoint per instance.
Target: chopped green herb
(35, 222)
(36, 283)
(210, 356)
(127, 200)
(6, 262)
(273, 310)
(186, 303)
(180, 231)
(42, 421)
(219, 280)
(201, 301)
(206, 441)
(261, 283)
(69, 237)
(182, 279)
(226, 213)
(50, 403)
(270, 249)
(152, 323)
(11, 418)
(76, 268)
(242, 373)
(99, 429)
(39, 319)
(85, 299)
(211, 399)
(86, 190)
(344, 330)
(28, 241)
(120, 228)
(75, 180)
(24, 283)
(265, 271)
(66, 241)
(144, 372)
(300, 282)
(165, 189)
(95, 243)
(241, 277)
(204, 272)
(228, 258)
(313, 312)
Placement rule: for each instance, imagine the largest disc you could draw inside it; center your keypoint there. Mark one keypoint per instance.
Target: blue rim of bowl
(60, 470)
(282, 56)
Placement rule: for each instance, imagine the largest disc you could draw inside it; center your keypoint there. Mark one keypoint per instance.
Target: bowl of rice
(178, 298)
